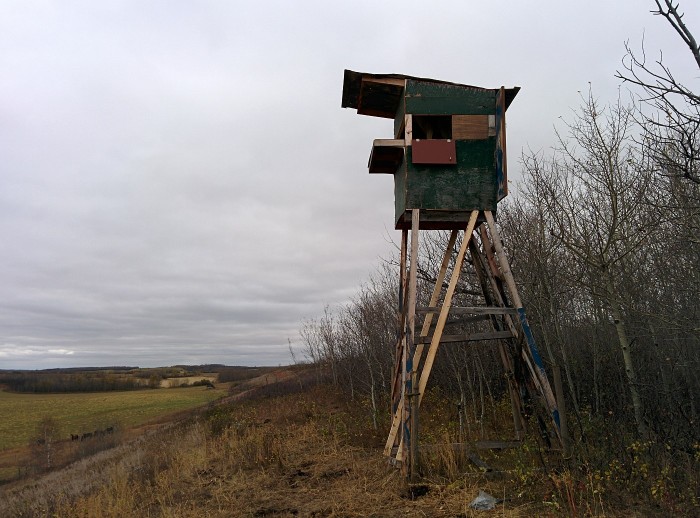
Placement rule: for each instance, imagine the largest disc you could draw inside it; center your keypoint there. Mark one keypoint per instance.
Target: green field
(84, 412)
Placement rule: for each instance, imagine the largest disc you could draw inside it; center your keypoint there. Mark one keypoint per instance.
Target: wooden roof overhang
(379, 95)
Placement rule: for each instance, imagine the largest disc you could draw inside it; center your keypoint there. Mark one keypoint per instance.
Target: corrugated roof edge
(352, 81)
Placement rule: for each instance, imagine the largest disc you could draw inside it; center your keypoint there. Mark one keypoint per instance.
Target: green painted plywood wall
(399, 117)
(444, 99)
(471, 184)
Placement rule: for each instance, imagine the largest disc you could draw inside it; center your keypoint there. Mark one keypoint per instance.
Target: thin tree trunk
(626, 355)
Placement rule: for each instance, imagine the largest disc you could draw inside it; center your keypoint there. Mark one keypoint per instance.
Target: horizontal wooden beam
(469, 446)
(473, 337)
(388, 142)
(497, 445)
(477, 310)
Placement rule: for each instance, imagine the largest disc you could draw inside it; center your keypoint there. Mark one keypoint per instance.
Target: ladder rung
(473, 337)
(477, 310)
(497, 445)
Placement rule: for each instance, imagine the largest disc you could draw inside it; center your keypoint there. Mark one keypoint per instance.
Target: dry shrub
(443, 461)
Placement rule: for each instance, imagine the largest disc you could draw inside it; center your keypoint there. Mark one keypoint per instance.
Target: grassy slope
(296, 455)
(82, 412)
(308, 454)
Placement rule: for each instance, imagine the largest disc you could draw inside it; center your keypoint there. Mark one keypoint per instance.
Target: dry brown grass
(304, 454)
(298, 455)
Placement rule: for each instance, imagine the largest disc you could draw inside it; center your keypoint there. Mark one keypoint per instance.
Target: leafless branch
(676, 20)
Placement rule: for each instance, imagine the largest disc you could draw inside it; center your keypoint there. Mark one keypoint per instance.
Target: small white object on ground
(484, 502)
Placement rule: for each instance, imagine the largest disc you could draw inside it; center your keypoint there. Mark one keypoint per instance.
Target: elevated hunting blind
(447, 153)
(448, 159)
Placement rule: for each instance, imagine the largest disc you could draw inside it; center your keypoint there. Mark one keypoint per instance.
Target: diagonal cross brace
(435, 342)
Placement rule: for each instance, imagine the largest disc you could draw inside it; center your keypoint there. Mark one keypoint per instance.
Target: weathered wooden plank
(408, 129)
(472, 337)
(467, 310)
(398, 380)
(501, 157)
(411, 423)
(497, 445)
(431, 219)
(395, 81)
(386, 156)
(470, 127)
(408, 443)
(396, 391)
(388, 142)
(397, 411)
(400, 119)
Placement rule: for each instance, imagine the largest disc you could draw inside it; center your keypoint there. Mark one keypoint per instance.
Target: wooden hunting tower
(448, 158)
(448, 152)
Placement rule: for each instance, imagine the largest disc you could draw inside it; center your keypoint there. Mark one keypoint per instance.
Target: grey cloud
(178, 182)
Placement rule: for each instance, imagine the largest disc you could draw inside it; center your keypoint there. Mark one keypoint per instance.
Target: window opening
(432, 126)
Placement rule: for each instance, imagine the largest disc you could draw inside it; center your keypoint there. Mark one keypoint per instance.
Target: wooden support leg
(518, 352)
(408, 446)
(397, 388)
(537, 370)
(442, 319)
(397, 411)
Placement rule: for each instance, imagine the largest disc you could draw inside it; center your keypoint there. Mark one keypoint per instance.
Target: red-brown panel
(433, 151)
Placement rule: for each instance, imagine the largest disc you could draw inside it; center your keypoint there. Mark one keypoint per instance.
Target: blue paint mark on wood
(530, 339)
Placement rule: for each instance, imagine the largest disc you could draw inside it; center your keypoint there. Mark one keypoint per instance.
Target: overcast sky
(178, 181)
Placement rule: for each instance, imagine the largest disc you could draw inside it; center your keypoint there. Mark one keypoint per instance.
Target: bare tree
(594, 190)
(542, 265)
(670, 111)
(320, 339)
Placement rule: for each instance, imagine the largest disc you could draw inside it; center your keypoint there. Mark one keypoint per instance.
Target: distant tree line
(99, 379)
(68, 370)
(84, 381)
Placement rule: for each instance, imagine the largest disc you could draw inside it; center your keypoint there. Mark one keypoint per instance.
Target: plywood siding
(471, 184)
(399, 119)
(470, 127)
(400, 180)
(442, 99)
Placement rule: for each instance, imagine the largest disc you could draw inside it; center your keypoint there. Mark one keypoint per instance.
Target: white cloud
(12, 352)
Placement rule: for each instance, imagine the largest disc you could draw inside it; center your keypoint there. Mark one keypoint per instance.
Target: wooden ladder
(481, 246)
